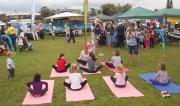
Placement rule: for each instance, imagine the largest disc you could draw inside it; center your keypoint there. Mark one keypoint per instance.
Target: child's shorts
(141, 43)
(133, 49)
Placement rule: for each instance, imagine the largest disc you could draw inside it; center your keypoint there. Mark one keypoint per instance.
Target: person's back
(120, 78)
(61, 64)
(162, 76)
(75, 80)
(116, 60)
(91, 64)
(37, 87)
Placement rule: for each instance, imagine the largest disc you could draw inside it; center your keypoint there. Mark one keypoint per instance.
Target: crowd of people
(111, 33)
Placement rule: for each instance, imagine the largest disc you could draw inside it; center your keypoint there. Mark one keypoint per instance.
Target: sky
(25, 5)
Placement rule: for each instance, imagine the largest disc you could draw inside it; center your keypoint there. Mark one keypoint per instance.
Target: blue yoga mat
(171, 87)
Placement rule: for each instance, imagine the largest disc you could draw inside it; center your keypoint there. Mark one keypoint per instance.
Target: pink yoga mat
(56, 74)
(83, 95)
(128, 91)
(85, 73)
(113, 69)
(47, 98)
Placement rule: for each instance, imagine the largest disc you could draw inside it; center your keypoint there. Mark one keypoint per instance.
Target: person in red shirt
(151, 31)
(61, 64)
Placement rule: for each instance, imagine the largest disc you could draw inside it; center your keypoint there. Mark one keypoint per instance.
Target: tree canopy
(111, 9)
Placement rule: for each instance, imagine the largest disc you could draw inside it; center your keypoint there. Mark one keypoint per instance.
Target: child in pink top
(147, 39)
(120, 77)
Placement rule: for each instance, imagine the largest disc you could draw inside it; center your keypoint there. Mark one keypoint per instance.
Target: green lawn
(45, 54)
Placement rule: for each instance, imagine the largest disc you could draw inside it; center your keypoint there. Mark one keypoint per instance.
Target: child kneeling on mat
(91, 64)
(120, 77)
(75, 81)
(161, 78)
(62, 65)
(37, 86)
(115, 60)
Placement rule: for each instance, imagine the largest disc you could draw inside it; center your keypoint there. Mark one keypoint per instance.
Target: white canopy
(63, 15)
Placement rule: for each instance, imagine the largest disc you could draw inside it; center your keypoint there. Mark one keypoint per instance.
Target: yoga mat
(171, 87)
(47, 98)
(56, 74)
(85, 73)
(128, 91)
(113, 69)
(82, 95)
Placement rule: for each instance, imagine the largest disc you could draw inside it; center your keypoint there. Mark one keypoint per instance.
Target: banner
(33, 14)
(85, 17)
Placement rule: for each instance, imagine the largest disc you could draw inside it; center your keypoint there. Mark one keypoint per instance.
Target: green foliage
(46, 12)
(111, 9)
(45, 53)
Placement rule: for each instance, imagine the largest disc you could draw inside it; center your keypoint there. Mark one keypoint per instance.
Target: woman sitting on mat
(36, 86)
(161, 78)
(115, 60)
(120, 77)
(84, 56)
(62, 65)
(91, 64)
(75, 81)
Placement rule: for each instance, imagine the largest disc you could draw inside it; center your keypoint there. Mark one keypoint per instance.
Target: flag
(33, 13)
(85, 17)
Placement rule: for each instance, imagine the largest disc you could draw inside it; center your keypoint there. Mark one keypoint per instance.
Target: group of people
(87, 63)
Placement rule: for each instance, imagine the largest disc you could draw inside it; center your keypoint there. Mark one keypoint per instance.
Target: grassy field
(45, 54)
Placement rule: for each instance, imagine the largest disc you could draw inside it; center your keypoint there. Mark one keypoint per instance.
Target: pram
(23, 44)
(3, 46)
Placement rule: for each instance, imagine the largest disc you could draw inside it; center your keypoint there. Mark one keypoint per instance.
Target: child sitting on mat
(62, 65)
(161, 78)
(10, 66)
(115, 60)
(84, 56)
(75, 81)
(36, 86)
(91, 64)
(120, 77)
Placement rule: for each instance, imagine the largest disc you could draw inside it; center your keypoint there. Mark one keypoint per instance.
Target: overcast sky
(25, 5)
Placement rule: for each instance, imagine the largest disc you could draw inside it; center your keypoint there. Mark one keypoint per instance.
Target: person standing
(120, 30)
(151, 31)
(71, 36)
(35, 32)
(10, 65)
(11, 31)
(132, 42)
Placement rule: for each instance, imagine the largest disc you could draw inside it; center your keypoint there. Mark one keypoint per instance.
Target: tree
(4, 18)
(45, 12)
(93, 12)
(125, 8)
(111, 9)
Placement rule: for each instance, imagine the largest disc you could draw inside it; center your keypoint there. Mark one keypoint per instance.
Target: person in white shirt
(120, 77)
(10, 65)
(115, 60)
(84, 56)
(75, 81)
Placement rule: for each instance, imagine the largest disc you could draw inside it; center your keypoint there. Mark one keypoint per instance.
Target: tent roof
(137, 13)
(171, 12)
(116, 15)
(103, 17)
(65, 14)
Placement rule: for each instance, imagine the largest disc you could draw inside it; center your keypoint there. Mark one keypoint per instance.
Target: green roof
(169, 12)
(138, 13)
